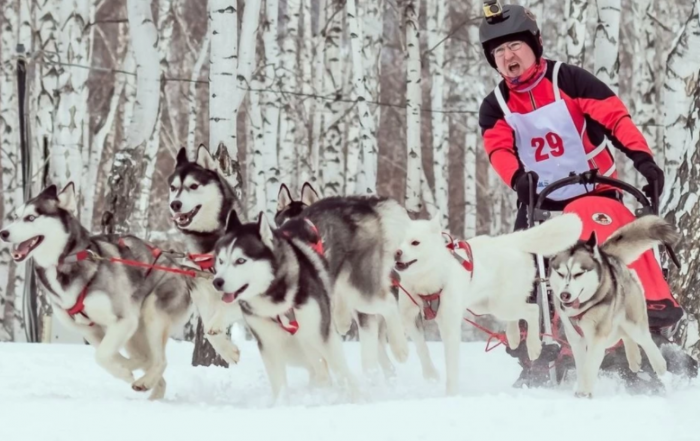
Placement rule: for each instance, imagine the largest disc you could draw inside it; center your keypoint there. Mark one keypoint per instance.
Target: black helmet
(505, 24)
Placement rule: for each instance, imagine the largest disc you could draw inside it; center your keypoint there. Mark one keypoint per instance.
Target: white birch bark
(164, 36)
(257, 171)
(222, 75)
(193, 102)
(306, 172)
(607, 39)
(270, 105)
(471, 145)
(67, 162)
(361, 94)
(317, 105)
(437, 27)
(537, 9)
(246, 49)
(288, 148)
(333, 118)
(576, 32)
(414, 164)
(682, 71)
(495, 202)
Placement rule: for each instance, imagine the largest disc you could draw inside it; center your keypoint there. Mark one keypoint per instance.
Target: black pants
(521, 217)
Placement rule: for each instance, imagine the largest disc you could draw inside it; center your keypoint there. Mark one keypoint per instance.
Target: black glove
(521, 185)
(652, 173)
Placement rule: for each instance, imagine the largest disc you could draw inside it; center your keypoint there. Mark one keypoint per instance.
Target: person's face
(513, 58)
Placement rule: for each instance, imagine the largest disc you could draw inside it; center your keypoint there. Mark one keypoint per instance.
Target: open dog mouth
(22, 250)
(401, 266)
(573, 304)
(229, 297)
(184, 219)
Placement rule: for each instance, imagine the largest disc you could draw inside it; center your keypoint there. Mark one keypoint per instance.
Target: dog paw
(399, 348)
(231, 354)
(144, 383)
(583, 395)
(431, 374)
(534, 349)
(215, 331)
(513, 334)
(158, 392)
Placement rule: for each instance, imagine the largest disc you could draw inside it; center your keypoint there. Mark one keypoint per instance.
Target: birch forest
(356, 97)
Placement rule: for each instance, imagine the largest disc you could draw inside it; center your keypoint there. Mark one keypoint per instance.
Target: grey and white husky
(112, 305)
(282, 284)
(602, 301)
(360, 235)
(200, 199)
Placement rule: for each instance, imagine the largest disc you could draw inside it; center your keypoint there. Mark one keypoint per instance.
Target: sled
(604, 215)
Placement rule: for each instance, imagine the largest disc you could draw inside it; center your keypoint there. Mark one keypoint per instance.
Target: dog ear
(181, 157)
(592, 240)
(308, 194)
(205, 159)
(50, 192)
(265, 231)
(232, 221)
(67, 199)
(284, 198)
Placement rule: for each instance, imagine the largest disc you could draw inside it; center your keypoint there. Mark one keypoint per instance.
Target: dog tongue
(229, 297)
(22, 249)
(576, 304)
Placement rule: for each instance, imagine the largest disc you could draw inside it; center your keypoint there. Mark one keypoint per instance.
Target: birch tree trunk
(361, 94)
(270, 106)
(129, 166)
(11, 197)
(607, 39)
(576, 32)
(682, 71)
(306, 172)
(193, 102)
(437, 26)
(414, 166)
(471, 145)
(288, 128)
(223, 68)
(318, 105)
(72, 114)
(683, 209)
(333, 123)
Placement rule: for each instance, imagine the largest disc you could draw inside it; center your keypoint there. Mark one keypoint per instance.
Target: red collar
(468, 263)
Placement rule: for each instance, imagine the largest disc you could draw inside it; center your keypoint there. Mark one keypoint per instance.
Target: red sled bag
(604, 216)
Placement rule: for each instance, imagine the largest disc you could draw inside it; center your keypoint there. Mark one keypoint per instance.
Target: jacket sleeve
(499, 140)
(599, 102)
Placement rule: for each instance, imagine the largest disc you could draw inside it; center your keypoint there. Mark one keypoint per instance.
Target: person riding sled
(546, 119)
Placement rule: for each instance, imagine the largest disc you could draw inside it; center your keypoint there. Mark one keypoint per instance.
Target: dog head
(288, 208)
(422, 242)
(196, 193)
(245, 259)
(42, 225)
(574, 274)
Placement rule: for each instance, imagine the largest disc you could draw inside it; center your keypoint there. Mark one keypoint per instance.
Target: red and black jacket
(590, 102)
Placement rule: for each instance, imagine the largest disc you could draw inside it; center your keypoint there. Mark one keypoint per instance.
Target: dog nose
(398, 254)
(565, 296)
(4, 234)
(218, 283)
(176, 205)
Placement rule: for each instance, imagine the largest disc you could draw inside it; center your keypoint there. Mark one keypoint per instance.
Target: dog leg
(533, 340)
(449, 324)
(341, 313)
(513, 333)
(384, 361)
(276, 372)
(334, 355)
(157, 334)
(395, 330)
(595, 352)
(319, 376)
(114, 340)
(368, 333)
(643, 338)
(417, 334)
(634, 355)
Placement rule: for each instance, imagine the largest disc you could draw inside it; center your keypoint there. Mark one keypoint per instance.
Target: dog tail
(631, 240)
(548, 238)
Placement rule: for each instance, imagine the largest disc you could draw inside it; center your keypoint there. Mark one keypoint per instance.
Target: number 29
(551, 140)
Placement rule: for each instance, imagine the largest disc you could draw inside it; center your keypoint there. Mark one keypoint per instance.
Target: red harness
(288, 321)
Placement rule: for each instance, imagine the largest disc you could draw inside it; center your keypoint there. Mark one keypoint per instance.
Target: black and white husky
(281, 281)
(112, 305)
(360, 235)
(601, 300)
(200, 199)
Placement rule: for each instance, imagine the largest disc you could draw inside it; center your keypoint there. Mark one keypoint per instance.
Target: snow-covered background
(57, 392)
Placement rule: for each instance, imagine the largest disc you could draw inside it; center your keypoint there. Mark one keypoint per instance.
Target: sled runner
(604, 215)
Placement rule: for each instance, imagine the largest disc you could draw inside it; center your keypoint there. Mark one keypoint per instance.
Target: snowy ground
(57, 392)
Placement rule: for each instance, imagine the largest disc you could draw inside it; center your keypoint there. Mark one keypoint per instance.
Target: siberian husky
(282, 284)
(601, 300)
(485, 274)
(360, 235)
(113, 306)
(200, 199)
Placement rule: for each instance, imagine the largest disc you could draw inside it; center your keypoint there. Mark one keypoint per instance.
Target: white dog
(487, 275)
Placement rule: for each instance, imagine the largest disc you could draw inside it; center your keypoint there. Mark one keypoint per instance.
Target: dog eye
(172, 188)
(194, 186)
(221, 261)
(415, 243)
(578, 275)
(30, 218)
(240, 261)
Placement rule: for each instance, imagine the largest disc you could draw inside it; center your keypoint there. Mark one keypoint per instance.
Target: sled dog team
(298, 281)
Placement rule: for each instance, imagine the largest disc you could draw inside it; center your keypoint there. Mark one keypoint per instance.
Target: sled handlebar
(592, 177)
